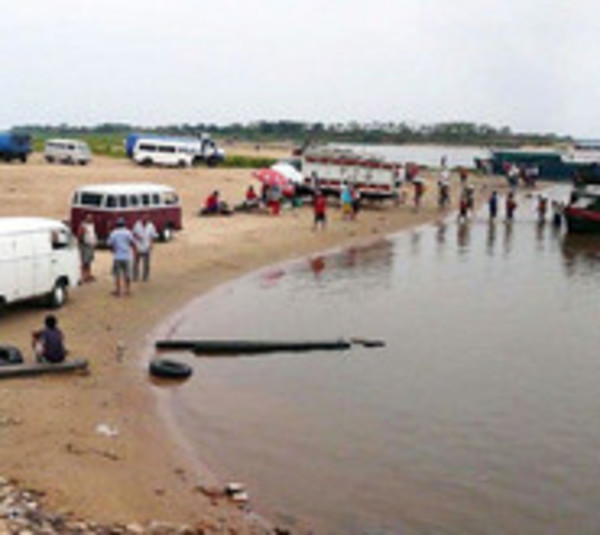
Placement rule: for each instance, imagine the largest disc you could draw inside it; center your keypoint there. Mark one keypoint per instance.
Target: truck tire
(23, 158)
(212, 161)
(58, 296)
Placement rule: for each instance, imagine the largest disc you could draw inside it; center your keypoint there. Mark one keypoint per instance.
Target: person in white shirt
(144, 234)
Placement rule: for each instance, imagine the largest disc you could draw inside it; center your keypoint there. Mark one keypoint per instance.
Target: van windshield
(170, 198)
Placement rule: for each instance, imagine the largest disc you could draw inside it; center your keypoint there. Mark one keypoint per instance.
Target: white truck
(329, 168)
(39, 258)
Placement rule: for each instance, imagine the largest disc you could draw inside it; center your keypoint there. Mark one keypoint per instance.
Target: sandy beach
(48, 426)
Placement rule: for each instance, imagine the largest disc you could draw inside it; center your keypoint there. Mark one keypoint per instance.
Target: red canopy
(271, 177)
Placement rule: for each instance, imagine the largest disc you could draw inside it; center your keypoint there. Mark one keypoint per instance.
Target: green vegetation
(107, 139)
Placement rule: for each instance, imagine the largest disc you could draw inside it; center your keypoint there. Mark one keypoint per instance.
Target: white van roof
(12, 225)
(64, 140)
(134, 188)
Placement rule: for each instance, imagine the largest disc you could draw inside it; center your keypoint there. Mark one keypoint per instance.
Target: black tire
(49, 159)
(167, 233)
(23, 158)
(146, 162)
(169, 369)
(10, 355)
(212, 161)
(58, 296)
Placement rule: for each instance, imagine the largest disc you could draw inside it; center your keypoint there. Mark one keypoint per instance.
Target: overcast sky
(530, 65)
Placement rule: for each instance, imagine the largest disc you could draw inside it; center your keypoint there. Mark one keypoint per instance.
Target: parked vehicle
(38, 258)
(14, 146)
(108, 202)
(328, 169)
(70, 151)
(156, 149)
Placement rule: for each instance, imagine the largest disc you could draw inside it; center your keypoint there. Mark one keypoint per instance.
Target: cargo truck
(14, 146)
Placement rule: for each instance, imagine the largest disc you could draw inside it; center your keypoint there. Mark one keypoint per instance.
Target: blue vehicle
(14, 146)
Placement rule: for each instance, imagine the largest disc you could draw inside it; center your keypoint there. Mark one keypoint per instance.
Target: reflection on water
(481, 415)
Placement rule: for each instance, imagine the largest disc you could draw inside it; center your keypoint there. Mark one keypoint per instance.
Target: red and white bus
(108, 202)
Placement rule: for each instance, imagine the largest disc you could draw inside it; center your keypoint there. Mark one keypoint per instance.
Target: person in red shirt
(320, 211)
(211, 205)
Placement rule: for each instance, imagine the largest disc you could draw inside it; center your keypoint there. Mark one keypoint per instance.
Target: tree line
(451, 133)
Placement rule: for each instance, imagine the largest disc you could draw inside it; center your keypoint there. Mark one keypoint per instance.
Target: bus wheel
(167, 233)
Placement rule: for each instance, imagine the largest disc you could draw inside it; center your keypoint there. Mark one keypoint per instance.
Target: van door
(42, 262)
(23, 266)
(8, 269)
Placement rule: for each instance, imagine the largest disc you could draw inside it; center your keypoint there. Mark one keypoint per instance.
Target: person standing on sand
(320, 211)
(511, 206)
(122, 242)
(87, 239)
(493, 205)
(144, 233)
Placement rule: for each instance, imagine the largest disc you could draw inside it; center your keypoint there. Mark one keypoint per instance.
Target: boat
(582, 215)
(27, 370)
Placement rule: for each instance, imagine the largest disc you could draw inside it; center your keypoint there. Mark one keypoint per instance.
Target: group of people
(131, 251)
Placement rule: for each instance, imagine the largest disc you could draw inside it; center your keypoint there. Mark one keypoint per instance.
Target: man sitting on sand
(48, 343)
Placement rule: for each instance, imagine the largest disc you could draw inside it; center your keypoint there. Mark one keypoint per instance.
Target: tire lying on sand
(169, 369)
(10, 355)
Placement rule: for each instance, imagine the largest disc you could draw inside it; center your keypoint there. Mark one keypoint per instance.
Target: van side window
(111, 201)
(170, 198)
(148, 147)
(134, 200)
(156, 199)
(166, 148)
(90, 199)
(123, 201)
(145, 199)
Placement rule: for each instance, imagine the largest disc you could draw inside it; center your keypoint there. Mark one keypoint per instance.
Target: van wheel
(49, 159)
(181, 163)
(167, 234)
(146, 162)
(58, 295)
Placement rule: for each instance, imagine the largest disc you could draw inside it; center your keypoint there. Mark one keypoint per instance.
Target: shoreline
(144, 483)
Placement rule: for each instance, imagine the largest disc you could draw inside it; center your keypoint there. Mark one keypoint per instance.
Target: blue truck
(14, 146)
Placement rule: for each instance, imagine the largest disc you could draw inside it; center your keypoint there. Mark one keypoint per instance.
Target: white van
(71, 151)
(168, 152)
(38, 258)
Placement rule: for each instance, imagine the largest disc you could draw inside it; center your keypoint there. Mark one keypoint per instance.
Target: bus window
(145, 199)
(123, 201)
(156, 199)
(111, 201)
(134, 200)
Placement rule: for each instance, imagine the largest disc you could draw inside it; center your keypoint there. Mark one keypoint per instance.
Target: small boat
(582, 215)
(26, 370)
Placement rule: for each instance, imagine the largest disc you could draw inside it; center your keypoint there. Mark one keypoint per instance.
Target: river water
(481, 414)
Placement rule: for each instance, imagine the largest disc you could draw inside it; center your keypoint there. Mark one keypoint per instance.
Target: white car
(70, 151)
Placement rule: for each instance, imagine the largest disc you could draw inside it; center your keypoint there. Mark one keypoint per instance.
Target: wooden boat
(27, 370)
(582, 215)
(244, 347)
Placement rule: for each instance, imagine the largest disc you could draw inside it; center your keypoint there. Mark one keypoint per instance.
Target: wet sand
(48, 426)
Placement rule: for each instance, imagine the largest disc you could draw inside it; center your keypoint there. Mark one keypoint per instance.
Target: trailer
(329, 169)
(14, 146)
